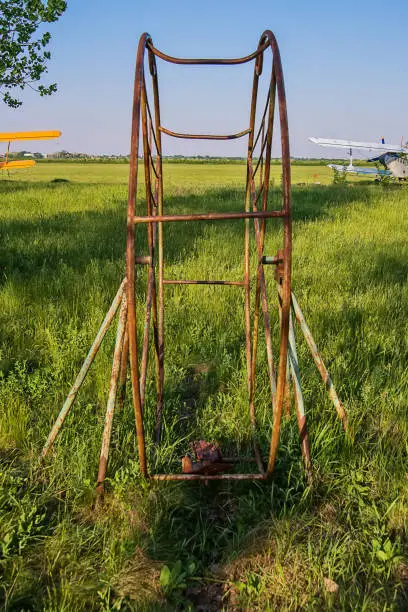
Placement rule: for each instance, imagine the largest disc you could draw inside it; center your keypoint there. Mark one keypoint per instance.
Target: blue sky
(345, 66)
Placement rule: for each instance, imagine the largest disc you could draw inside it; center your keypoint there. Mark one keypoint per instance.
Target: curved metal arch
(130, 249)
(287, 245)
(208, 62)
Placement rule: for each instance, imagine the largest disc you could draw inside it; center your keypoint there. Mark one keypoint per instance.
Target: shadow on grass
(187, 522)
(74, 239)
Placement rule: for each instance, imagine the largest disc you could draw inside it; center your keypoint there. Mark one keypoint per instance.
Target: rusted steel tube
(268, 338)
(209, 62)
(319, 363)
(260, 192)
(266, 259)
(152, 166)
(145, 345)
(261, 174)
(248, 340)
(123, 371)
(150, 233)
(203, 282)
(260, 240)
(300, 408)
(110, 408)
(130, 251)
(152, 203)
(144, 260)
(84, 369)
(209, 216)
(286, 396)
(294, 367)
(152, 131)
(204, 136)
(262, 123)
(205, 477)
(260, 159)
(159, 200)
(287, 247)
(270, 113)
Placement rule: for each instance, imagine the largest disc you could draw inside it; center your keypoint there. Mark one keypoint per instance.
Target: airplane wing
(17, 165)
(39, 135)
(359, 170)
(353, 144)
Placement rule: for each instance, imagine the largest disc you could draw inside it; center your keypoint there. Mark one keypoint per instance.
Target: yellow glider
(11, 136)
(17, 165)
(34, 135)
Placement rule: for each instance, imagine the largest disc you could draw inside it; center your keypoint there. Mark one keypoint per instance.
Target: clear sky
(345, 66)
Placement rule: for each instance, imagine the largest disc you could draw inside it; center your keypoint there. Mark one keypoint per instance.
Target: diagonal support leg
(286, 394)
(110, 408)
(84, 370)
(123, 370)
(319, 363)
(297, 392)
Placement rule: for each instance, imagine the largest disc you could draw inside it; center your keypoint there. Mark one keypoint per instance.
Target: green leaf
(176, 571)
(165, 575)
(382, 555)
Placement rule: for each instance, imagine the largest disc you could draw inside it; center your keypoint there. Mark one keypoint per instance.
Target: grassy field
(339, 544)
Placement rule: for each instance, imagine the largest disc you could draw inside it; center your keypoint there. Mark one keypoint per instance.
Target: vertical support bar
(297, 392)
(287, 249)
(319, 363)
(145, 348)
(262, 158)
(110, 408)
(123, 370)
(84, 370)
(130, 252)
(286, 395)
(261, 291)
(159, 166)
(151, 231)
(260, 240)
(248, 198)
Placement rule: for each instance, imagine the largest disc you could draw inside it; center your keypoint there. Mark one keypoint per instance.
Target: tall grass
(339, 544)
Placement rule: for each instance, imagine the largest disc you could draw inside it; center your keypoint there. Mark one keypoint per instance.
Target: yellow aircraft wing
(39, 135)
(17, 165)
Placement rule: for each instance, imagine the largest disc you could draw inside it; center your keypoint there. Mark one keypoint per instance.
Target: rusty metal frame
(148, 129)
(146, 138)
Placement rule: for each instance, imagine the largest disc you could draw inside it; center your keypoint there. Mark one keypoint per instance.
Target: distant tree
(23, 58)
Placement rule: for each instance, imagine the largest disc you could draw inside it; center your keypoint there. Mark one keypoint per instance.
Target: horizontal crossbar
(212, 61)
(267, 259)
(204, 282)
(144, 260)
(204, 136)
(261, 214)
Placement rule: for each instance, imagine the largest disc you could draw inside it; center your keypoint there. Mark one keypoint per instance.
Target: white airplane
(394, 158)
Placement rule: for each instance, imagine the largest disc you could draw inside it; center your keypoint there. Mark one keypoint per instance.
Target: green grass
(237, 545)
